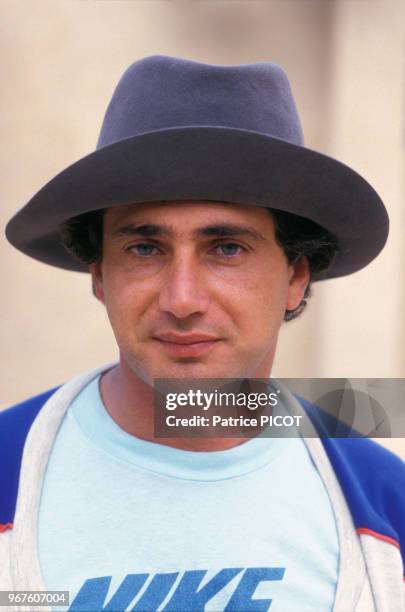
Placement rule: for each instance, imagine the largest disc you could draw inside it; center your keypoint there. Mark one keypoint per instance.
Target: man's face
(195, 289)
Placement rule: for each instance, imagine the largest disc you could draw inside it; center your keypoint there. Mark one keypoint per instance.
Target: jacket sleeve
(15, 423)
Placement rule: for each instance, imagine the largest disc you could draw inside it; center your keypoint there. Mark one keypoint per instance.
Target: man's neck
(130, 402)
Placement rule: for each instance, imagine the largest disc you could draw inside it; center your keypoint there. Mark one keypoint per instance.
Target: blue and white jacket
(362, 478)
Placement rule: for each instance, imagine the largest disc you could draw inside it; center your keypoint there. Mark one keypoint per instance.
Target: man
(202, 220)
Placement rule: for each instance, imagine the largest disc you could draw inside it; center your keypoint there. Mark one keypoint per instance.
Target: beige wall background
(59, 64)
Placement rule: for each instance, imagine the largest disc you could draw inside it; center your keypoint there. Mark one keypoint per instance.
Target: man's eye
(144, 250)
(229, 249)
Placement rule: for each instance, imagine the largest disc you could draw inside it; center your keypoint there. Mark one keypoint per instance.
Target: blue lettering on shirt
(187, 597)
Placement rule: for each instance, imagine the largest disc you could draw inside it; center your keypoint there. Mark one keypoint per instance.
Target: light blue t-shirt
(127, 524)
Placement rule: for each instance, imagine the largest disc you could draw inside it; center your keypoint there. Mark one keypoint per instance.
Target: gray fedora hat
(182, 130)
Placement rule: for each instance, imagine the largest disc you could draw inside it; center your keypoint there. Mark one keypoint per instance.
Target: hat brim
(208, 163)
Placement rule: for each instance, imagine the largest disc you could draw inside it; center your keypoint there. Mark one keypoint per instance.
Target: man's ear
(96, 272)
(299, 281)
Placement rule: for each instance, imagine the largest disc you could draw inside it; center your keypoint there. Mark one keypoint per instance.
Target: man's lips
(185, 338)
(186, 344)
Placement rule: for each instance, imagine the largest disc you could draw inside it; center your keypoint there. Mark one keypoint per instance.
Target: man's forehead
(188, 213)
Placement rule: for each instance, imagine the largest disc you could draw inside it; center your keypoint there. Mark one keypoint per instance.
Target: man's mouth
(186, 344)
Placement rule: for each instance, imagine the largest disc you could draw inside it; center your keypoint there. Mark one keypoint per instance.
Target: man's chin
(158, 366)
(189, 369)
(182, 370)
(198, 370)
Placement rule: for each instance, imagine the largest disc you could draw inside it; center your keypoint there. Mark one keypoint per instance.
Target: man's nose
(184, 290)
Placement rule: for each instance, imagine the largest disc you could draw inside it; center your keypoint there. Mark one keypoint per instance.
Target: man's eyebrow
(146, 230)
(220, 230)
(228, 229)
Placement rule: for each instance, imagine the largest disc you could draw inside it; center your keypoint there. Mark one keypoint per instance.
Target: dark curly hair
(82, 237)
(301, 237)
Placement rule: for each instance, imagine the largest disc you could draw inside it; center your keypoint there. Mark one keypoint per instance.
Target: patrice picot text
(209, 401)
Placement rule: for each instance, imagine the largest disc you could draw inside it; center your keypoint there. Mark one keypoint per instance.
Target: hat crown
(160, 92)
